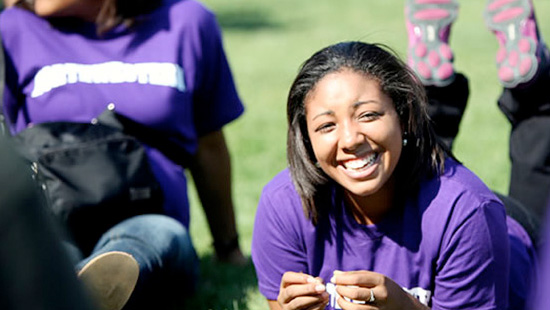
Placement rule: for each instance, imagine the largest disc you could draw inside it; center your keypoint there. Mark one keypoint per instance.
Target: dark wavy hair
(423, 155)
(113, 12)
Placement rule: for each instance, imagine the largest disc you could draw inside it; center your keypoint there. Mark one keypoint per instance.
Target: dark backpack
(93, 175)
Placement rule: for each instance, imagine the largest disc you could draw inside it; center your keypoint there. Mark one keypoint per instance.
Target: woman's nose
(351, 136)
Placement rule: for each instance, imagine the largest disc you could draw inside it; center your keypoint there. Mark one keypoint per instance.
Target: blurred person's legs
(523, 68)
(428, 26)
(523, 62)
(162, 248)
(431, 58)
(522, 52)
(35, 272)
(446, 105)
(528, 110)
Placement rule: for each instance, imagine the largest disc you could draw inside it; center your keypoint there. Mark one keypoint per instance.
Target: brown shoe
(110, 278)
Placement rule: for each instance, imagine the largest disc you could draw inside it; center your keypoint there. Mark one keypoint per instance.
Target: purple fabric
(169, 72)
(541, 300)
(448, 246)
(523, 265)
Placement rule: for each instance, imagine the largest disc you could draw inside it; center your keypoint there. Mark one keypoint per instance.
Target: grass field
(266, 42)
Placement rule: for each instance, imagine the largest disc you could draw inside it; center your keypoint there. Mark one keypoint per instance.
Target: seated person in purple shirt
(373, 211)
(162, 64)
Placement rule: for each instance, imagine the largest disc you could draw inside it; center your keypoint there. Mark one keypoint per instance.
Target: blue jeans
(165, 254)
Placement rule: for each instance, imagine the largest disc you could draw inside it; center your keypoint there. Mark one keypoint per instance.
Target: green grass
(266, 41)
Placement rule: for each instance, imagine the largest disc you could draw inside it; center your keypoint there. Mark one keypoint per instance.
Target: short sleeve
(276, 242)
(10, 107)
(472, 268)
(216, 101)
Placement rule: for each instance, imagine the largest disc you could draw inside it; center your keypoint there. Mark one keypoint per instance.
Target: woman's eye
(324, 128)
(369, 116)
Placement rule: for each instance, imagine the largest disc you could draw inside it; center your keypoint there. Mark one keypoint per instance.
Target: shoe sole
(516, 59)
(431, 58)
(110, 278)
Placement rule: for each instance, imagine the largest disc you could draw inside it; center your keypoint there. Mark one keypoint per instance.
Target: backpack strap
(146, 135)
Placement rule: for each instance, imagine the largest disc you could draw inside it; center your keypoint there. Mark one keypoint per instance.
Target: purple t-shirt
(541, 297)
(168, 72)
(448, 246)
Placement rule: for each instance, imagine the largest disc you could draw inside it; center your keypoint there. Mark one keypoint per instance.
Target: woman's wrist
(229, 251)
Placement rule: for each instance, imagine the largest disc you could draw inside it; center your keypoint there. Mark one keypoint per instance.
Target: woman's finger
(302, 291)
(291, 278)
(308, 302)
(360, 278)
(352, 305)
(294, 291)
(358, 294)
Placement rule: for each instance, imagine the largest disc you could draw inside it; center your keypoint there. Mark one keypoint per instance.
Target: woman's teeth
(360, 163)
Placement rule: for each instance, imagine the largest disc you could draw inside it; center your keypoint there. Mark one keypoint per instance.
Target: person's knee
(164, 227)
(159, 220)
(159, 232)
(173, 242)
(152, 223)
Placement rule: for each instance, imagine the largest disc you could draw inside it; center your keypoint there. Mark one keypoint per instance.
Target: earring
(405, 141)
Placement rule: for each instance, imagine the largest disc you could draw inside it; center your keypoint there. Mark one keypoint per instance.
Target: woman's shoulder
(191, 6)
(456, 199)
(280, 185)
(279, 194)
(280, 203)
(456, 191)
(13, 12)
(186, 12)
(17, 24)
(16, 19)
(458, 177)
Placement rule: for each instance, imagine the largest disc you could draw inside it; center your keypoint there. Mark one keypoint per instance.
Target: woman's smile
(360, 167)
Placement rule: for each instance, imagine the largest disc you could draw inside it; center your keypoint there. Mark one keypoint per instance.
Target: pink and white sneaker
(521, 50)
(428, 27)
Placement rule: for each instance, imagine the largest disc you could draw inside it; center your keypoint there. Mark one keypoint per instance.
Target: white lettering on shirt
(112, 72)
(419, 293)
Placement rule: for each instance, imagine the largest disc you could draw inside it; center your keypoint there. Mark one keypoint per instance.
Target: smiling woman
(355, 134)
(373, 211)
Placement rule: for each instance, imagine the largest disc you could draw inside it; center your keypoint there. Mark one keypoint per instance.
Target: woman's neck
(371, 209)
(85, 10)
(90, 11)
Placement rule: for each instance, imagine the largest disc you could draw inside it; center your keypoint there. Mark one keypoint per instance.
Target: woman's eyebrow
(328, 112)
(360, 103)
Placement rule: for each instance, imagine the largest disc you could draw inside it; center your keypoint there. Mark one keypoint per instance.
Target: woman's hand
(371, 290)
(302, 291)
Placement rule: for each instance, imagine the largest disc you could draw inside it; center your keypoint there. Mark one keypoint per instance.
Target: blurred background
(266, 41)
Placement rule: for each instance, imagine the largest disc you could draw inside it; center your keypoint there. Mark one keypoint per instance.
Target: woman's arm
(473, 264)
(211, 171)
(274, 305)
